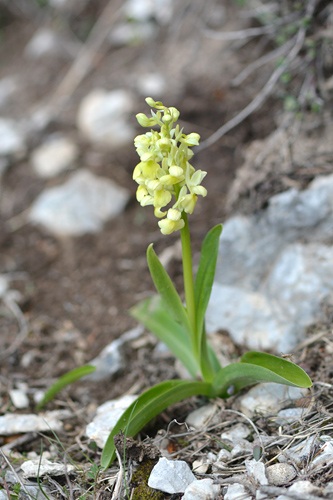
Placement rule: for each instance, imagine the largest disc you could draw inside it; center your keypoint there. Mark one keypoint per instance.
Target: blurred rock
(305, 488)
(200, 466)
(171, 476)
(151, 84)
(103, 118)
(106, 418)
(41, 466)
(54, 156)
(237, 492)
(238, 431)
(257, 471)
(274, 269)
(111, 359)
(269, 398)
(144, 10)
(8, 87)
(19, 398)
(204, 489)
(202, 416)
(129, 33)
(12, 140)
(12, 423)
(81, 205)
(289, 415)
(300, 452)
(323, 458)
(47, 43)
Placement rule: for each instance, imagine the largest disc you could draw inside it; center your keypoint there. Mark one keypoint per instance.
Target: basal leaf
(280, 366)
(166, 290)
(234, 377)
(65, 380)
(147, 406)
(153, 315)
(205, 275)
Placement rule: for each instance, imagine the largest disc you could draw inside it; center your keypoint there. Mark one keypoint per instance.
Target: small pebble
(204, 489)
(280, 474)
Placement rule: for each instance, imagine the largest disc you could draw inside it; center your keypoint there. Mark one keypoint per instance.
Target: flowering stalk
(188, 283)
(165, 174)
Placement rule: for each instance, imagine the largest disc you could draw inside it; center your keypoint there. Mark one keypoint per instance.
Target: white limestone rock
(80, 205)
(19, 398)
(103, 118)
(274, 270)
(12, 140)
(171, 476)
(47, 43)
(257, 470)
(54, 156)
(205, 489)
(268, 398)
(289, 415)
(111, 359)
(40, 467)
(12, 423)
(199, 418)
(280, 474)
(106, 418)
(237, 492)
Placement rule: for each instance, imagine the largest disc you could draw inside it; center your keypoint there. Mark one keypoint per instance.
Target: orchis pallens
(164, 172)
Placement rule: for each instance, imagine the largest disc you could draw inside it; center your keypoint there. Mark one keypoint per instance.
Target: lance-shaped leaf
(147, 406)
(234, 377)
(205, 276)
(153, 315)
(166, 290)
(280, 366)
(65, 380)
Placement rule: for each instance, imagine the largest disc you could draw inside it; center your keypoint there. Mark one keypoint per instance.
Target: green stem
(188, 281)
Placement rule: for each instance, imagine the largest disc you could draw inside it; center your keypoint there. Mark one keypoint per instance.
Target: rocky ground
(72, 77)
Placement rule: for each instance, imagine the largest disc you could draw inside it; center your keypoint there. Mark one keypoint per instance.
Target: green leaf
(166, 290)
(153, 315)
(65, 380)
(234, 377)
(205, 276)
(288, 370)
(147, 406)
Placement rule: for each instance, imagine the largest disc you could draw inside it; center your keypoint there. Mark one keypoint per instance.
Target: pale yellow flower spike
(164, 171)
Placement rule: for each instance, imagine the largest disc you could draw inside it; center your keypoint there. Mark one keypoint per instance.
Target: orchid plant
(167, 181)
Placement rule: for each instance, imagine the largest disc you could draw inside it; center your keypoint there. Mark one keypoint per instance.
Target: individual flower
(164, 172)
(172, 222)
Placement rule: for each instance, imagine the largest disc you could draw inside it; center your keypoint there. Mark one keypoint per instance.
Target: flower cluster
(164, 172)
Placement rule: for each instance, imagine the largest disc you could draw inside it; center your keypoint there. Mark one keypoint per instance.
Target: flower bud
(144, 121)
(154, 104)
(174, 113)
